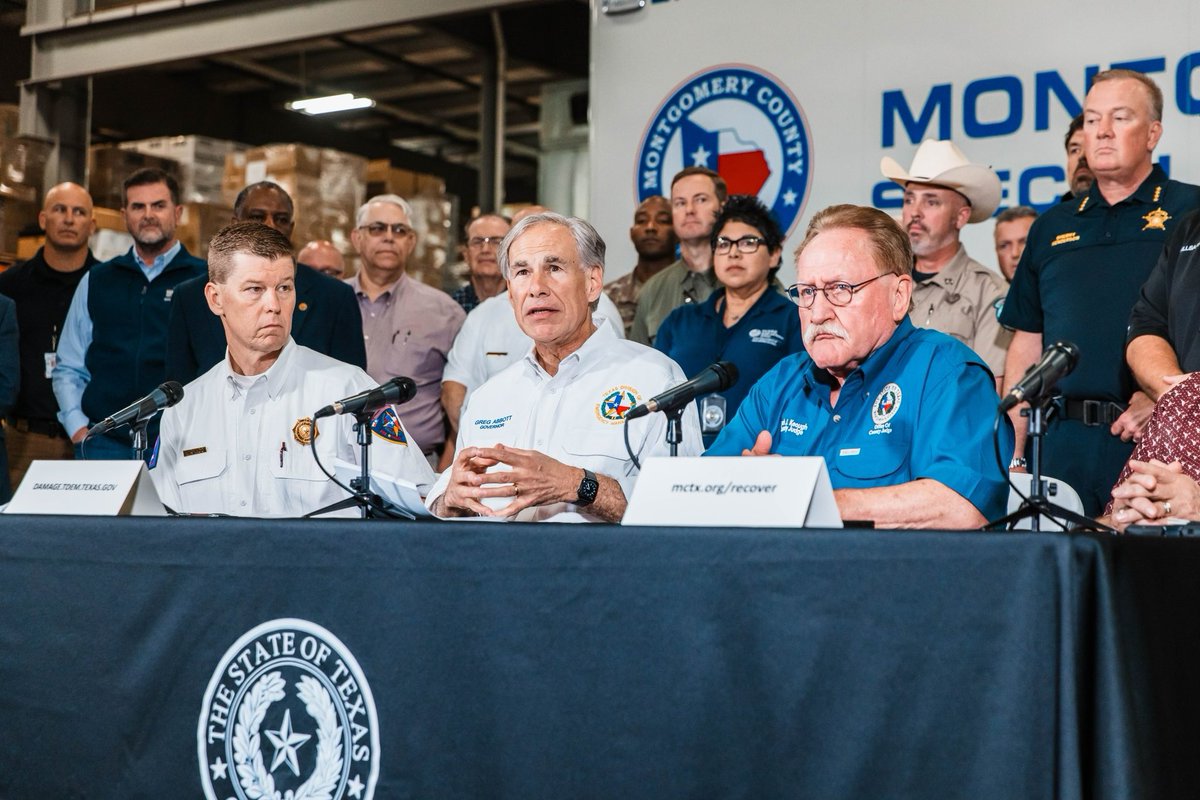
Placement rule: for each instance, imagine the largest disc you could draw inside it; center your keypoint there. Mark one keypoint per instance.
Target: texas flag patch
(386, 425)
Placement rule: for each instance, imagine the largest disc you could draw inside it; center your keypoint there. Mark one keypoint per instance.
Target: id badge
(51, 362)
(712, 413)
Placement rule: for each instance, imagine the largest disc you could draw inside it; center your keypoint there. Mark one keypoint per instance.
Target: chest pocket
(418, 354)
(299, 464)
(191, 470)
(883, 456)
(600, 448)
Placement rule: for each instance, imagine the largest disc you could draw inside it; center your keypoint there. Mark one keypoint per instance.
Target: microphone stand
(368, 502)
(1037, 503)
(675, 429)
(137, 433)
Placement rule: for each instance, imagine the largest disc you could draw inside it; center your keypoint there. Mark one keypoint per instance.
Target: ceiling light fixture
(330, 104)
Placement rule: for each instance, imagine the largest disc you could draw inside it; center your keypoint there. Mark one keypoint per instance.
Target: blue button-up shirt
(921, 406)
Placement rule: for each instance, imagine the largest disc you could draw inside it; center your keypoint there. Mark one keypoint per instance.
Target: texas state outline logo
(742, 122)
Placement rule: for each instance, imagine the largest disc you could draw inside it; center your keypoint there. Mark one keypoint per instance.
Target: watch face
(587, 489)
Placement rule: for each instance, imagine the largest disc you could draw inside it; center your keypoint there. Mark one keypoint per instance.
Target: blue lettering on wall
(936, 112)
(1007, 84)
(1187, 102)
(896, 105)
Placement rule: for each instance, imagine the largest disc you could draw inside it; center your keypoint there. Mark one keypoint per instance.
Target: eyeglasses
(746, 244)
(377, 229)
(477, 242)
(838, 294)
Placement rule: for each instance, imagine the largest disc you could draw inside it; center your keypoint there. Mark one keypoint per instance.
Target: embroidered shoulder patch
(386, 425)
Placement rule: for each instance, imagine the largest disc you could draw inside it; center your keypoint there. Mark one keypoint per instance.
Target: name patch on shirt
(766, 336)
(1065, 238)
(788, 425)
(616, 403)
(492, 424)
(1187, 248)
(194, 451)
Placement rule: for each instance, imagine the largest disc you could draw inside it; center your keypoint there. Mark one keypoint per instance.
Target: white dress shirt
(576, 415)
(491, 339)
(237, 444)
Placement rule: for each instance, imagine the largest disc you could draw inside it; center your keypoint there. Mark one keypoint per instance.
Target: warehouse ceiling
(425, 78)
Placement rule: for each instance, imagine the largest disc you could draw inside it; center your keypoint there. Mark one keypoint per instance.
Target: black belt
(46, 427)
(1092, 413)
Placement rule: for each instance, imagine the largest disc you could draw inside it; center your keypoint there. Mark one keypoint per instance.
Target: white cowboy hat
(942, 163)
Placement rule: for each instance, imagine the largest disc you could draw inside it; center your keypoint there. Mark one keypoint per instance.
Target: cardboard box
(198, 223)
(201, 162)
(109, 166)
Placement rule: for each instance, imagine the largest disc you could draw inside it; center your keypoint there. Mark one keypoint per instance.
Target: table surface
(600, 661)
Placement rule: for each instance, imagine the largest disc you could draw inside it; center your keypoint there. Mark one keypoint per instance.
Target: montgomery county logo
(288, 715)
(616, 403)
(741, 122)
(886, 404)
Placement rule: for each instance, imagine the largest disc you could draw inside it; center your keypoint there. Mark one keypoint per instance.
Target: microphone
(713, 378)
(1057, 361)
(395, 391)
(165, 396)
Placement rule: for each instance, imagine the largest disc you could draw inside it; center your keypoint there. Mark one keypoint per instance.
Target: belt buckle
(1092, 413)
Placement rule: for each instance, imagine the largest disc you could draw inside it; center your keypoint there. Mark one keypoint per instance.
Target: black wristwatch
(587, 489)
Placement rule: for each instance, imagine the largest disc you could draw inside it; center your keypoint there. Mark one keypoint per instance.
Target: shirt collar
(591, 351)
(1149, 191)
(395, 290)
(874, 364)
(278, 375)
(160, 261)
(948, 275)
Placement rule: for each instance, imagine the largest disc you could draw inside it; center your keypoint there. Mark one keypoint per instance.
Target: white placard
(741, 492)
(94, 488)
(395, 491)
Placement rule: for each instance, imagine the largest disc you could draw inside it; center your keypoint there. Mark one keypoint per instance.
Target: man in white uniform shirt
(240, 442)
(543, 439)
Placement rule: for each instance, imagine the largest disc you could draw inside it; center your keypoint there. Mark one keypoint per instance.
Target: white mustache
(830, 328)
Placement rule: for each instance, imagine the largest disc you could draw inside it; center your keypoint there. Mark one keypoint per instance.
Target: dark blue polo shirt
(1081, 272)
(694, 336)
(920, 406)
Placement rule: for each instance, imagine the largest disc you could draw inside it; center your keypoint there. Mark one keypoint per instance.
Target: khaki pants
(25, 447)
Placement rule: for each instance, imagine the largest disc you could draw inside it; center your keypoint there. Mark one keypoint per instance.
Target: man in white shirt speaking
(543, 439)
(240, 441)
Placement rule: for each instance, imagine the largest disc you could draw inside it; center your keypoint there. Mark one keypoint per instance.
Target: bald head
(323, 256)
(527, 211)
(66, 217)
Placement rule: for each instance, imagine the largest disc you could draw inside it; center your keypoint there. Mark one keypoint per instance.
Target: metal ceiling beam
(424, 121)
(437, 72)
(78, 45)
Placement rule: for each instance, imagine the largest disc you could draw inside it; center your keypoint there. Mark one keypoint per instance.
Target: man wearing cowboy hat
(1080, 275)
(952, 292)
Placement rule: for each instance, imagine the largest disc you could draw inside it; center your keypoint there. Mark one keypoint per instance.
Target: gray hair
(394, 199)
(1015, 213)
(588, 243)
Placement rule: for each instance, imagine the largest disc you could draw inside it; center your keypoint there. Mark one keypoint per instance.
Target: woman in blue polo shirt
(748, 320)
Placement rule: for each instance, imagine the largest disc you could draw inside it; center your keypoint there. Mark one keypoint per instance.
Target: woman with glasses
(747, 320)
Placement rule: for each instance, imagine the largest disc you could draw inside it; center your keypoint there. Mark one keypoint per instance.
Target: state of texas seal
(288, 715)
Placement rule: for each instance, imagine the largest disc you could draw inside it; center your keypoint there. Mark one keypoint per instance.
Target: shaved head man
(324, 257)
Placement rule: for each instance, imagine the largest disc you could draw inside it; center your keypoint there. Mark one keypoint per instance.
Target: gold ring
(516, 490)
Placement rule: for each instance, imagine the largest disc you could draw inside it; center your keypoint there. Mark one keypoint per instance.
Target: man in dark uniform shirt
(1079, 277)
(42, 288)
(326, 318)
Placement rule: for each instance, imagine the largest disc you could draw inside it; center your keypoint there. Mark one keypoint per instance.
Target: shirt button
(837, 417)
(246, 457)
(541, 442)
(253, 410)
(243, 503)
